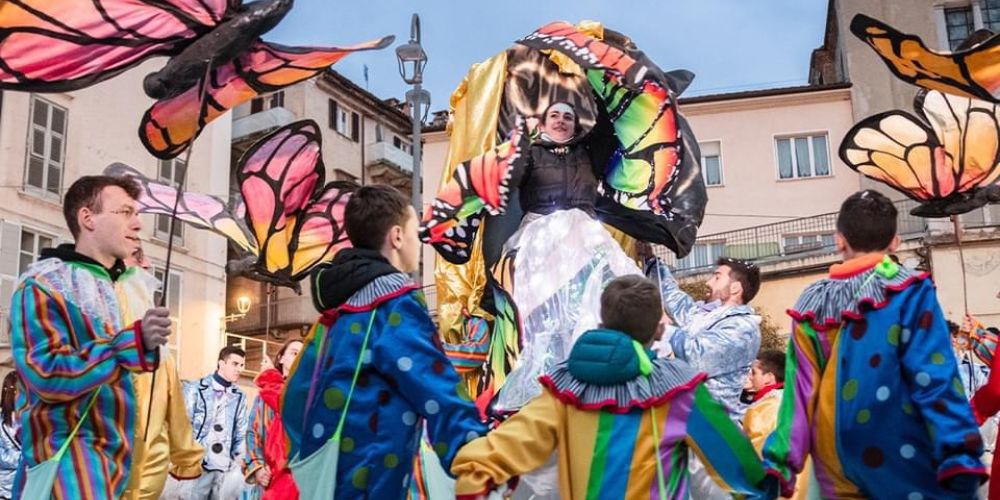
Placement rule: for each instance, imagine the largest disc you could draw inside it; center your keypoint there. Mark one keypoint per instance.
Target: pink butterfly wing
(320, 233)
(62, 45)
(170, 126)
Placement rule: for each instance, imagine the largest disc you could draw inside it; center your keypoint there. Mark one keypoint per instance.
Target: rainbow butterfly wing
(477, 185)
(200, 210)
(954, 151)
(169, 127)
(971, 72)
(63, 45)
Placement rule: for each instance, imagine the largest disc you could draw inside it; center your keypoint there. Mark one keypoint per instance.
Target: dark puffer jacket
(558, 178)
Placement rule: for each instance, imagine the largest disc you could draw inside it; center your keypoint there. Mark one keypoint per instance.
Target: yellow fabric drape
(475, 109)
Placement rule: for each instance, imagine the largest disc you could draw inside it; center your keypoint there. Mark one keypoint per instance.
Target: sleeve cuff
(947, 472)
(149, 361)
(186, 473)
(787, 486)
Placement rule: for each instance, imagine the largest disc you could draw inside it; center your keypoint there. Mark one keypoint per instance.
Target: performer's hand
(155, 327)
(263, 476)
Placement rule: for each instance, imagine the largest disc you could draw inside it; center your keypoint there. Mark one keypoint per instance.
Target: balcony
(290, 313)
(802, 238)
(257, 123)
(384, 153)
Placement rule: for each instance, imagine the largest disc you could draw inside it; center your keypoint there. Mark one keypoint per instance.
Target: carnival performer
(374, 359)
(266, 463)
(870, 356)
(171, 449)
(10, 439)
(217, 409)
(74, 349)
(621, 420)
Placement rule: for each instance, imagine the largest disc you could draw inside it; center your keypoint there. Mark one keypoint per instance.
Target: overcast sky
(729, 44)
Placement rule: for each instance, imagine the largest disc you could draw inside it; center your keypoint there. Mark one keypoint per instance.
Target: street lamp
(412, 60)
(242, 308)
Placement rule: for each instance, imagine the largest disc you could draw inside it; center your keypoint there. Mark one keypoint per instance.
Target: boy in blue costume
(873, 392)
(405, 378)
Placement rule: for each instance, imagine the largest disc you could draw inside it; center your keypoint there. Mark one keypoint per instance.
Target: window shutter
(355, 127)
(333, 114)
(256, 105)
(10, 246)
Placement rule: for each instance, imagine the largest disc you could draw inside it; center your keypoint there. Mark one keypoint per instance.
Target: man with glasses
(74, 349)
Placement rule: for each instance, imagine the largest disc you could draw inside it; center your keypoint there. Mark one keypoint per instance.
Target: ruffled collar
(866, 283)
(669, 377)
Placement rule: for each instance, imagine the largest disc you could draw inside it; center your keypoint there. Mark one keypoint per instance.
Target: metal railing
(256, 348)
(802, 237)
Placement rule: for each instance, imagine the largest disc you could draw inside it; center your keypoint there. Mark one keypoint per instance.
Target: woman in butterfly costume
(518, 226)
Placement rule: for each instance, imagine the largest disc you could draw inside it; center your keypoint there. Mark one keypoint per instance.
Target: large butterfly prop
(64, 45)
(948, 159)
(288, 222)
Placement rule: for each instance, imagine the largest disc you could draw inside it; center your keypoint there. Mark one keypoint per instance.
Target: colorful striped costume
(599, 417)
(68, 341)
(872, 391)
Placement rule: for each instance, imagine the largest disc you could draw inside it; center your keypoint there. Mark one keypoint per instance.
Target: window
(46, 146)
(806, 242)
(702, 255)
(275, 100)
(711, 162)
(959, 24)
(378, 132)
(400, 145)
(991, 15)
(340, 118)
(170, 172)
(355, 127)
(31, 245)
(804, 156)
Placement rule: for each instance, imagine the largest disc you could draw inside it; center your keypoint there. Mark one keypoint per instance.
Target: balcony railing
(256, 348)
(806, 236)
(286, 313)
(263, 121)
(385, 152)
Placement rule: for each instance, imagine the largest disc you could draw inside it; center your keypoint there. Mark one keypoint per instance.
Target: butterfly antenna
(170, 242)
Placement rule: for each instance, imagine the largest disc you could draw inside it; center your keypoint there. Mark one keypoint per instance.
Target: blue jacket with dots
(405, 380)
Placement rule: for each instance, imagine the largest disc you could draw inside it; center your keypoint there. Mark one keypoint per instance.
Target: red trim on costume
(570, 398)
(378, 300)
(787, 487)
(137, 330)
(958, 469)
(810, 316)
(182, 478)
(766, 389)
(855, 266)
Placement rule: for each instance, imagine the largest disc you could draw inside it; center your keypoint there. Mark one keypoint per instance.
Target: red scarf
(766, 389)
(282, 485)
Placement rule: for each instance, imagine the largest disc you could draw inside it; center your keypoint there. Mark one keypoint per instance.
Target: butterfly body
(230, 39)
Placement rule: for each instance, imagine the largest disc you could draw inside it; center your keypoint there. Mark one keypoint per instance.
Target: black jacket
(558, 178)
(353, 268)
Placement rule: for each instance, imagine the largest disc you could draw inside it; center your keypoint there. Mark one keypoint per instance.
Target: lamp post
(412, 60)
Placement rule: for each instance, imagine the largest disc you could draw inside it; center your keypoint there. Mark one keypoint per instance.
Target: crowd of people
(670, 397)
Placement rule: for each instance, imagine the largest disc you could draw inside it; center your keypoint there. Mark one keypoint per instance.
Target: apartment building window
(378, 132)
(32, 243)
(703, 255)
(170, 172)
(400, 145)
(959, 24)
(805, 242)
(711, 162)
(271, 101)
(991, 14)
(803, 156)
(341, 120)
(46, 146)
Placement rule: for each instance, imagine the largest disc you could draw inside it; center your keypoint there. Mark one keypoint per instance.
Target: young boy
(405, 379)
(767, 380)
(615, 416)
(874, 394)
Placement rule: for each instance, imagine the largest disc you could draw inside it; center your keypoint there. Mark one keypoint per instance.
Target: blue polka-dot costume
(405, 380)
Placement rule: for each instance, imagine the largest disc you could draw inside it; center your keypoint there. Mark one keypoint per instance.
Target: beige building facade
(49, 140)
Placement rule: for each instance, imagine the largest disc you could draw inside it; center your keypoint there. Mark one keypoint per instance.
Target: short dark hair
(952, 327)
(772, 361)
(229, 350)
(370, 214)
(867, 221)
(631, 304)
(86, 192)
(744, 271)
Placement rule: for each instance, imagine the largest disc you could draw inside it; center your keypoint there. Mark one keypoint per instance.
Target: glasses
(127, 212)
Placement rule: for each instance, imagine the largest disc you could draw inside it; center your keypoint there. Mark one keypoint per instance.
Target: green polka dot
(391, 461)
(850, 390)
(360, 478)
(347, 445)
(957, 385)
(355, 327)
(894, 332)
(908, 408)
(333, 398)
(395, 319)
(462, 391)
(937, 358)
(864, 416)
(441, 449)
